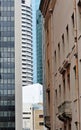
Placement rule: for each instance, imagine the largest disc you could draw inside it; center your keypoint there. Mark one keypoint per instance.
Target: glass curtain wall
(7, 65)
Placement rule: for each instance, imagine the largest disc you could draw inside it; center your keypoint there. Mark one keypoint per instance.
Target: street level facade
(62, 64)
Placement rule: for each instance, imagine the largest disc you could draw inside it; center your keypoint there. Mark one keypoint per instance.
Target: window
(59, 91)
(67, 39)
(72, 19)
(48, 70)
(40, 116)
(75, 71)
(59, 53)
(68, 80)
(56, 96)
(63, 45)
(64, 85)
(41, 123)
(23, 1)
(26, 117)
(55, 60)
(67, 31)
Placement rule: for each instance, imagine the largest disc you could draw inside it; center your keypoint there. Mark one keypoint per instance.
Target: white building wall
(33, 93)
(27, 68)
(27, 117)
(18, 61)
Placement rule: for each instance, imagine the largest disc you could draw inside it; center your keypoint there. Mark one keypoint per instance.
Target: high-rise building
(39, 46)
(27, 61)
(35, 7)
(10, 65)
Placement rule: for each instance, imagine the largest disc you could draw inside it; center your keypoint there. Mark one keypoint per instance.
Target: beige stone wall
(63, 64)
(38, 120)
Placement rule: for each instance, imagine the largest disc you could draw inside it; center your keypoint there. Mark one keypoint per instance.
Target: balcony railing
(64, 111)
(47, 121)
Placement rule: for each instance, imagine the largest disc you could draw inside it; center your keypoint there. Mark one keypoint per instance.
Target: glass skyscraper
(35, 6)
(10, 64)
(39, 46)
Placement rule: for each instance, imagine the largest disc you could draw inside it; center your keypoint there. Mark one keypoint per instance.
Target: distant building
(27, 117)
(39, 46)
(33, 93)
(38, 120)
(33, 117)
(27, 49)
(35, 7)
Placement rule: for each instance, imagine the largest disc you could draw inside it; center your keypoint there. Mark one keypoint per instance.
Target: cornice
(44, 6)
(47, 6)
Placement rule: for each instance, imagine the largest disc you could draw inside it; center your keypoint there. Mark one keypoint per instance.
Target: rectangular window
(68, 80)
(75, 71)
(55, 61)
(41, 123)
(59, 53)
(67, 40)
(56, 96)
(67, 32)
(23, 1)
(60, 91)
(40, 116)
(63, 45)
(64, 85)
(72, 19)
(48, 70)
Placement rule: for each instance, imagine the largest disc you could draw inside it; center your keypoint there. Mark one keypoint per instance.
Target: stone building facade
(62, 64)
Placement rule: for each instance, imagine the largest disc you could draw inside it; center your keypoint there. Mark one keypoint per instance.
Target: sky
(33, 94)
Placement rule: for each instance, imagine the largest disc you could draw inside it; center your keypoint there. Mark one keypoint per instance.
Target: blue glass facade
(7, 65)
(35, 6)
(39, 46)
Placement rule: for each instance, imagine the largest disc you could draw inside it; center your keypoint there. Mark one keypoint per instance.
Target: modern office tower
(39, 46)
(35, 7)
(27, 61)
(10, 65)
